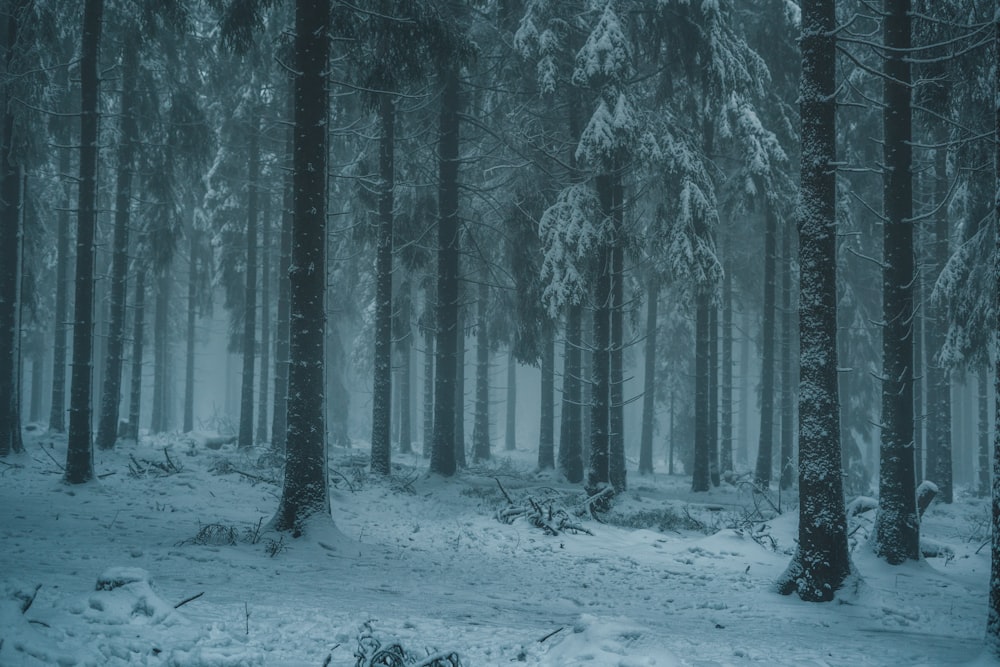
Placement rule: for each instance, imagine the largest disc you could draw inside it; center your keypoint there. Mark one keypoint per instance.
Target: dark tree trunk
(192, 320)
(305, 492)
(616, 410)
(700, 474)
(381, 462)
(37, 378)
(161, 354)
(481, 430)
(339, 402)
(743, 453)
(672, 435)
(713, 396)
(57, 410)
(280, 411)
(428, 391)
(726, 403)
(570, 429)
(765, 454)
(245, 438)
(821, 562)
(265, 319)
(787, 381)
(586, 382)
(138, 334)
(983, 467)
(598, 472)
(897, 526)
(80, 451)
(939, 467)
(460, 393)
(993, 613)
(649, 380)
(510, 431)
(107, 427)
(404, 345)
(443, 449)
(546, 428)
(919, 345)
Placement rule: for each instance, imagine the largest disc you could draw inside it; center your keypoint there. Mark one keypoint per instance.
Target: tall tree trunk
(787, 344)
(765, 454)
(265, 319)
(586, 382)
(192, 320)
(10, 255)
(57, 410)
(279, 413)
(546, 427)
(897, 526)
(107, 427)
(672, 435)
(983, 467)
(598, 472)
(649, 380)
(428, 391)
(616, 411)
(993, 613)
(570, 429)
(305, 492)
(37, 378)
(460, 393)
(161, 354)
(726, 404)
(138, 334)
(700, 474)
(80, 451)
(245, 438)
(339, 402)
(743, 453)
(713, 395)
(481, 429)
(939, 444)
(404, 345)
(382, 385)
(919, 346)
(443, 450)
(510, 431)
(821, 562)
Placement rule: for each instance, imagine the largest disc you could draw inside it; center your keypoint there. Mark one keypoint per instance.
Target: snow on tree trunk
(80, 451)
(821, 562)
(381, 453)
(305, 492)
(897, 527)
(107, 428)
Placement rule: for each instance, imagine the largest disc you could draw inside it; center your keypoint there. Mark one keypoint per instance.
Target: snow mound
(124, 596)
(607, 642)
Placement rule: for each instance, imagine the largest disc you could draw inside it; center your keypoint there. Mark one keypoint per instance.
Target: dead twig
(552, 634)
(190, 599)
(52, 458)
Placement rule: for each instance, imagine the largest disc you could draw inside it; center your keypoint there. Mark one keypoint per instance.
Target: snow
(672, 577)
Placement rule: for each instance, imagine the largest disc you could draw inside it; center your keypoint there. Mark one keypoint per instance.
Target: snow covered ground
(683, 579)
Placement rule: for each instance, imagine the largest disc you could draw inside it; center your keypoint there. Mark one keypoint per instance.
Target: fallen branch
(255, 477)
(503, 491)
(52, 458)
(27, 601)
(552, 634)
(190, 599)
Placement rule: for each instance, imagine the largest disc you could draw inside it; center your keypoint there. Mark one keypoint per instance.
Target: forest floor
(668, 578)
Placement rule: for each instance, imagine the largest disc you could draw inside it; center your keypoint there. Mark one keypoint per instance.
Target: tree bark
(616, 412)
(983, 467)
(192, 320)
(279, 414)
(785, 476)
(159, 421)
(897, 526)
(821, 562)
(481, 429)
(700, 474)
(80, 451)
(245, 438)
(649, 380)
(381, 460)
(726, 404)
(57, 411)
(993, 607)
(265, 319)
(598, 472)
(765, 454)
(546, 428)
(138, 334)
(713, 395)
(443, 450)
(571, 422)
(305, 493)
(510, 430)
(428, 391)
(404, 345)
(107, 428)
(460, 393)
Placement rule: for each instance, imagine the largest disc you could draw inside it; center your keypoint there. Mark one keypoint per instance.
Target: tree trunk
(726, 405)
(570, 428)
(37, 378)
(598, 472)
(919, 346)
(897, 526)
(821, 562)
(10, 256)
(765, 455)
(57, 411)
(80, 451)
(713, 396)
(107, 428)
(382, 385)
(138, 333)
(245, 438)
(339, 403)
(192, 320)
(265, 319)
(993, 613)
(649, 380)
(616, 411)
(443, 449)
(939, 446)
(510, 430)
(670, 449)
(787, 344)
(700, 477)
(159, 422)
(481, 430)
(305, 492)
(743, 453)
(983, 467)
(546, 427)
(279, 413)
(404, 345)
(460, 393)
(428, 391)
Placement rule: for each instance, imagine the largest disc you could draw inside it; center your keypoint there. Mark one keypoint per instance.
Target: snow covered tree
(993, 609)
